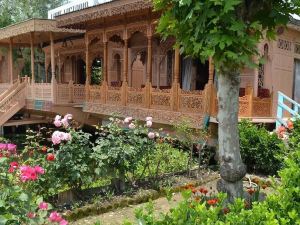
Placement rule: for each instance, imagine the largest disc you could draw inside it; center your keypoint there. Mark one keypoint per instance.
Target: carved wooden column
(53, 80)
(52, 52)
(105, 69)
(149, 60)
(176, 85)
(10, 61)
(148, 86)
(125, 75)
(87, 67)
(32, 56)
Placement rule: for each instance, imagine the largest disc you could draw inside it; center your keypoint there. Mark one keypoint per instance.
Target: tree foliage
(13, 11)
(226, 30)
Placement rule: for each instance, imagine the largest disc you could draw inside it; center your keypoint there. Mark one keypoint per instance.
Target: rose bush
(120, 146)
(18, 205)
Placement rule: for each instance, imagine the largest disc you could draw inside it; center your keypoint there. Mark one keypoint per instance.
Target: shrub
(121, 146)
(17, 204)
(280, 207)
(165, 159)
(259, 148)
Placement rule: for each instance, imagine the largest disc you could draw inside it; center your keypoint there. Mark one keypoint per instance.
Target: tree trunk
(232, 169)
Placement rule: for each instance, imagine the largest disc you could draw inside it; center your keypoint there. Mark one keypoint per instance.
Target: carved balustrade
(78, 93)
(161, 99)
(39, 91)
(192, 101)
(250, 106)
(4, 87)
(95, 93)
(136, 97)
(262, 107)
(114, 95)
(63, 94)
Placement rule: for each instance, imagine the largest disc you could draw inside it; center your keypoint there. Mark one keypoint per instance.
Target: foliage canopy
(226, 30)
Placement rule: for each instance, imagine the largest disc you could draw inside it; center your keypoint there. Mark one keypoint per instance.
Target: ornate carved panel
(159, 116)
(297, 48)
(284, 44)
(139, 28)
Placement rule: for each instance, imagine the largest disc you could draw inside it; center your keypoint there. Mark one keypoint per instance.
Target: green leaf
(23, 197)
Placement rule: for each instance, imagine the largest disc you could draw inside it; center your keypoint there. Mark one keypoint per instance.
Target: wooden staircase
(11, 101)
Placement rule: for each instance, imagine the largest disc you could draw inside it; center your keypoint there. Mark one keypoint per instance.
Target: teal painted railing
(286, 104)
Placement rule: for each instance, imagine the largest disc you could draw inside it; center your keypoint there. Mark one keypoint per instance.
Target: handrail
(281, 107)
(10, 89)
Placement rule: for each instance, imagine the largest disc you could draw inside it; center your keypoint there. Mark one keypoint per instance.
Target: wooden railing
(172, 99)
(12, 102)
(250, 106)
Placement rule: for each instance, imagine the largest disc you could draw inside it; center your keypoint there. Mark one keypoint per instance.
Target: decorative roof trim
(33, 25)
(108, 9)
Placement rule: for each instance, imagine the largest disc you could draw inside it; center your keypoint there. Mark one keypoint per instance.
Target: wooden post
(71, 91)
(53, 80)
(10, 65)
(125, 73)
(105, 70)
(249, 92)
(87, 67)
(176, 85)
(32, 56)
(52, 57)
(149, 60)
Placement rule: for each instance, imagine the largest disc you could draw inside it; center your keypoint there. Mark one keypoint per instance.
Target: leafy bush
(18, 205)
(120, 147)
(260, 148)
(165, 159)
(282, 207)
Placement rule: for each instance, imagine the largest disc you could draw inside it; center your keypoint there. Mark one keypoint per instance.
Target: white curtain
(187, 66)
(297, 81)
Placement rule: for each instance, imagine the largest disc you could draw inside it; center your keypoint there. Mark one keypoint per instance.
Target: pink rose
(149, 123)
(43, 206)
(131, 126)
(31, 215)
(55, 217)
(65, 122)
(56, 138)
(12, 148)
(57, 123)
(63, 222)
(68, 116)
(149, 118)
(57, 117)
(3, 146)
(151, 135)
(127, 120)
(39, 170)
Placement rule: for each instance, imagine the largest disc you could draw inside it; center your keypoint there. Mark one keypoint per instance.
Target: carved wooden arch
(114, 53)
(95, 38)
(141, 28)
(110, 34)
(137, 51)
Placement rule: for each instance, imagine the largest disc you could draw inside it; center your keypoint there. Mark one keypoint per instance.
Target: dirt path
(118, 216)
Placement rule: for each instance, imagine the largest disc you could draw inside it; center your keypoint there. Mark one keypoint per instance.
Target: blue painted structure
(286, 104)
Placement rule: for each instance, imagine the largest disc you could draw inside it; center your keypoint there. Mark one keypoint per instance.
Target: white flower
(151, 135)
(68, 116)
(131, 126)
(127, 119)
(149, 118)
(149, 123)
